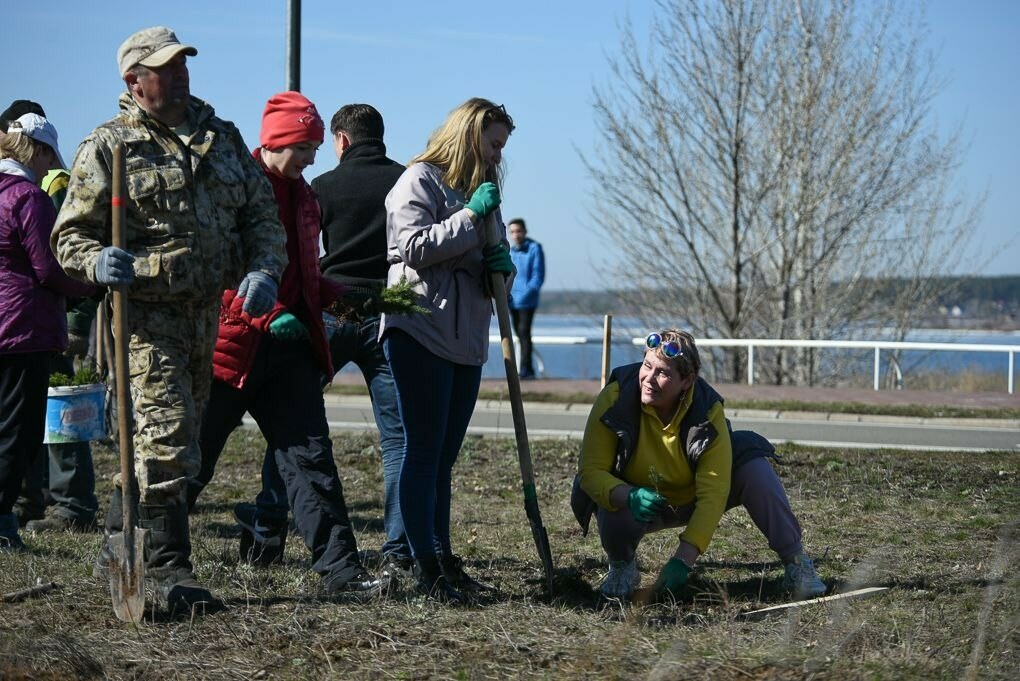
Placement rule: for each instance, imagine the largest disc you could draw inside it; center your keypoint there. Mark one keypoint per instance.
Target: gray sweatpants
(755, 486)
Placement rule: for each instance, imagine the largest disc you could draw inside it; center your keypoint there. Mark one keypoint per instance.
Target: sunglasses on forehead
(498, 112)
(669, 348)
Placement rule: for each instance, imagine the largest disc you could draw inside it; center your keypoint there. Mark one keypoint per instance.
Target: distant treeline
(992, 302)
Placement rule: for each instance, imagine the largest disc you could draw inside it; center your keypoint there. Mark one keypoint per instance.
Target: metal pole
(878, 352)
(750, 365)
(294, 45)
(1009, 382)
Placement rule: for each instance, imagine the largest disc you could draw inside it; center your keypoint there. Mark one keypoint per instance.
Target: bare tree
(768, 166)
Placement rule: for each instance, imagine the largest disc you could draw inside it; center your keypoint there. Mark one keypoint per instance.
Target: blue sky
(416, 61)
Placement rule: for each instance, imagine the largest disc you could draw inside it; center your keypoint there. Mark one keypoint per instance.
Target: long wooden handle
(120, 344)
(513, 380)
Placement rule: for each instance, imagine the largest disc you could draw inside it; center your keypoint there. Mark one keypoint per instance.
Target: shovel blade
(127, 575)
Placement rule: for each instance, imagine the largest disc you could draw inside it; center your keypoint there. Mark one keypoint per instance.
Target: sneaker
(362, 584)
(453, 570)
(621, 580)
(57, 522)
(802, 579)
(397, 568)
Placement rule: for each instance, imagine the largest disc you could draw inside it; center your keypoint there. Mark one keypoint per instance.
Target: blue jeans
(436, 399)
(358, 342)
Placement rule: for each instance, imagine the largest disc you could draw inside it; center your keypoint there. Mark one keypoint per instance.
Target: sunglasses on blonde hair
(670, 349)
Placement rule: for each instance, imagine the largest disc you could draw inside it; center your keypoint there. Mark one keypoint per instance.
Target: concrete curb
(574, 407)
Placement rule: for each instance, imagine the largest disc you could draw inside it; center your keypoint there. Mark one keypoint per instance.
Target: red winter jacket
(303, 292)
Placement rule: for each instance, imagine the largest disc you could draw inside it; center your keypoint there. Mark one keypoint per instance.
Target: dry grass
(938, 528)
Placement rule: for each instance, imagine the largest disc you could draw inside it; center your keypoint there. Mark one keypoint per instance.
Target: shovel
(127, 568)
(513, 380)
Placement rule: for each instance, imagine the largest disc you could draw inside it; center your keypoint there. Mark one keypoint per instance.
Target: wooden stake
(866, 592)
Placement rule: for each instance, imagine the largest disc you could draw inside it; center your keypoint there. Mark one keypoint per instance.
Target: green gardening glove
(497, 259)
(644, 503)
(484, 200)
(287, 327)
(672, 578)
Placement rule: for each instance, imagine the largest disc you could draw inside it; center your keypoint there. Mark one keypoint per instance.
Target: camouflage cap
(152, 47)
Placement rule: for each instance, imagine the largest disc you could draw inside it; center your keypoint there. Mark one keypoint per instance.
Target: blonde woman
(436, 218)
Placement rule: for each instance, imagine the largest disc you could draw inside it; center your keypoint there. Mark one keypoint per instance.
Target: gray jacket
(432, 241)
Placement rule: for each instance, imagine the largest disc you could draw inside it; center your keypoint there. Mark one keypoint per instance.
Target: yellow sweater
(659, 463)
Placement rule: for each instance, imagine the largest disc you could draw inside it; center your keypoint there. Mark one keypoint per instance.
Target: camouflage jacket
(199, 215)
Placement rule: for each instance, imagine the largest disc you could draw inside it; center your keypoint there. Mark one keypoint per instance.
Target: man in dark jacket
(352, 197)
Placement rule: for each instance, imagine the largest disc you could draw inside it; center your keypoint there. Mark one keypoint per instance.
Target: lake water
(585, 361)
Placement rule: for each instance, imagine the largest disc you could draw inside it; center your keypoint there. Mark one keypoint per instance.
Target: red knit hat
(290, 118)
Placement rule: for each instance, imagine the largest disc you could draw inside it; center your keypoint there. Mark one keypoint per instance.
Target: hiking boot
(58, 522)
(261, 545)
(361, 585)
(181, 591)
(27, 513)
(801, 578)
(9, 538)
(621, 580)
(168, 568)
(453, 569)
(432, 583)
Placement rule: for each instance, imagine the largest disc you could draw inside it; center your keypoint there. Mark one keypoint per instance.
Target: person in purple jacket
(33, 326)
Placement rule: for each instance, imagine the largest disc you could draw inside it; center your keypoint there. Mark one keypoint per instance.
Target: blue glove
(644, 503)
(484, 200)
(497, 259)
(259, 292)
(115, 267)
(672, 578)
(288, 327)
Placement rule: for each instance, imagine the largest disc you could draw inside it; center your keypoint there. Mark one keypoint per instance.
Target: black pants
(282, 394)
(61, 474)
(24, 379)
(522, 319)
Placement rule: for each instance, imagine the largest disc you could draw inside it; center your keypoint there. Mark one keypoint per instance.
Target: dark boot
(9, 538)
(55, 521)
(453, 569)
(168, 558)
(261, 544)
(433, 584)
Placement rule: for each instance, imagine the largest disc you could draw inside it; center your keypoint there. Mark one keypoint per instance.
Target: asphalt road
(835, 430)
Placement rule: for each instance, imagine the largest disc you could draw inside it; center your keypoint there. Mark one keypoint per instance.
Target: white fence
(751, 344)
(876, 346)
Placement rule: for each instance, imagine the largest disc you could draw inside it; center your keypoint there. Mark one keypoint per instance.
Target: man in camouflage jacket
(201, 218)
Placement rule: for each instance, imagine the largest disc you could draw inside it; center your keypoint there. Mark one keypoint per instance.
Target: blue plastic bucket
(75, 413)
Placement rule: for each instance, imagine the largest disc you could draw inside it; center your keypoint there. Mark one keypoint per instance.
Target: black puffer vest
(696, 432)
